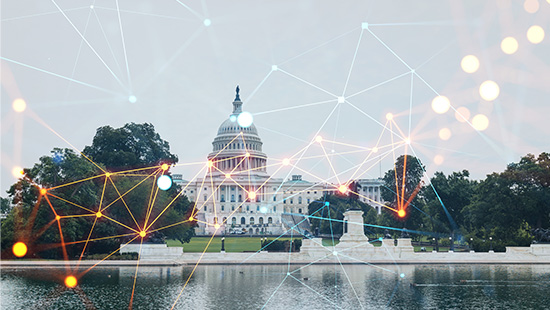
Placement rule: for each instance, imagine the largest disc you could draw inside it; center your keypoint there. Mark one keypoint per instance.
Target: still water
(284, 287)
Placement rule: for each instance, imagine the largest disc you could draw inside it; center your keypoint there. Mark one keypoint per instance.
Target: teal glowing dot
(263, 209)
(365, 25)
(327, 204)
(245, 119)
(233, 118)
(207, 22)
(274, 68)
(164, 182)
(380, 238)
(402, 275)
(132, 99)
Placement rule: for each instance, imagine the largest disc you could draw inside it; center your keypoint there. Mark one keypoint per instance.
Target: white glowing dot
(480, 122)
(389, 116)
(441, 104)
(402, 275)
(245, 119)
(132, 99)
(489, 90)
(374, 149)
(17, 172)
(263, 209)
(469, 64)
(274, 68)
(252, 195)
(164, 182)
(445, 134)
(334, 253)
(341, 99)
(408, 140)
(228, 176)
(509, 45)
(364, 25)
(91, 6)
(438, 159)
(319, 139)
(535, 34)
(233, 118)
(286, 161)
(207, 22)
(462, 114)
(217, 226)
(19, 105)
(531, 6)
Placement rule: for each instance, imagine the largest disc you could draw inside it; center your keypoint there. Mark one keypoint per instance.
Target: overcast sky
(77, 65)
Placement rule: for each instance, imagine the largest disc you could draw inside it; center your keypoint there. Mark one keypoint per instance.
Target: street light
(223, 244)
(491, 248)
(451, 244)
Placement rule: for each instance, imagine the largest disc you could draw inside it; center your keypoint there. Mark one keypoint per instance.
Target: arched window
(251, 221)
(205, 198)
(222, 208)
(269, 220)
(291, 200)
(234, 221)
(300, 211)
(261, 220)
(243, 221)
(300, 200)
(232, 208)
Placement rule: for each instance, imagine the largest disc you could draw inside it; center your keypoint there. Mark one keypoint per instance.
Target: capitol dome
(234, 142)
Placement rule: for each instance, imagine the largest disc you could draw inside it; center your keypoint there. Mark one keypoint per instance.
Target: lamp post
(491, 247)
(471, 244)
(223, 244)
(451, 244)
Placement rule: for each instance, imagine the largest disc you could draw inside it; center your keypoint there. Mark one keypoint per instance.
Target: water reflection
(284, 287)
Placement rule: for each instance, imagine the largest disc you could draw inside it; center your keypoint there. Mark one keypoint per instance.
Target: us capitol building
(237, 196)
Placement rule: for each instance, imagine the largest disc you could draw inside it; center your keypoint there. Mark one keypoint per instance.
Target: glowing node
(401, 213)
(233, 118)
(489, 90)
(364, 25)
(247, 154)
(164, 182)
(445, 134)
(17, 172)
(98, 214)
(191, 219)
(402, 275)
(509, 45)
(91, 6)
(70, 281)
(327, 203)
(164, 167)
(462, 114)
(227, 176)
(380, 239)
(142, 234)
(288, 273)
(274, 68)
(19, 249)
(531, 6)
(389, 116)
(341, 99)
(252, 195)
(263, 209)
(207, 22)
(343, 189)
(335, 253)
(441, 104)
(209, 164)
(319, 139)
(286, 161)
(217, 226)
(19, 105)
(408, 140)
(375, 149)
(107, 175)
(57, 217)
(132, 99)
(43, 191)
(438, 159)
(535, 34)
(245, 119)
(469, 64)
(480, 122)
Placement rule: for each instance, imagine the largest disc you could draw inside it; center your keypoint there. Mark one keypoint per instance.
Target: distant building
(239, 197)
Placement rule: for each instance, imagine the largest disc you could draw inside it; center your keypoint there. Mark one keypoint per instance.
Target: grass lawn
(232, 244)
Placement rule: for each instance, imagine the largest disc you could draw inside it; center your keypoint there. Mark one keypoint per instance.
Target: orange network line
(135, 275)
(131, 189)
(105, 258)
(124, 202)
(154, 198)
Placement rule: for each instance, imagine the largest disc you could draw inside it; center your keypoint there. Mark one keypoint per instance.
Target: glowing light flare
(401, 213)
(375, 149)
(489, 90)
(217, 226)
(132, 99)
(70, 281)
(209, 164)
(318, 139)
(98, 214)
(245, 119)
(441, 104)
(207, 22)
(164, 182)
(228, 176)
(535, 34)
(531, 6)
(191, 219)
(438, 159)
(252, 195)
(19, 105)
(445, 134)
(107, 175)
(247, 154)
(17, 172)
(164, 167)
(343, 189)
(407, 140)
(469, 64)
(480, 122)
(57, 218)
(19, 249)
(389, 116)
(509, 45)
(462, 114)
(286, 162)
(142, 234)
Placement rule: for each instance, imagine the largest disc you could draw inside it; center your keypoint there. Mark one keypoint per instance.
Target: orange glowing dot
(469, 64)
(19, 105)
(247, 154)
(286, 161)
(401, 213)
(17, 172)
(98, 214)
(441, 104)
(217, 226)
(375, 149)
(319, 139)
(19, 249)
(70, 281)
(227, 176)
(252, 195)
(191, 219)
(343, 189)
(164, 167)
(142, 234)
(43, 191)
(107, 174)
(209, 164)
(389, 116)
(57, 217)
